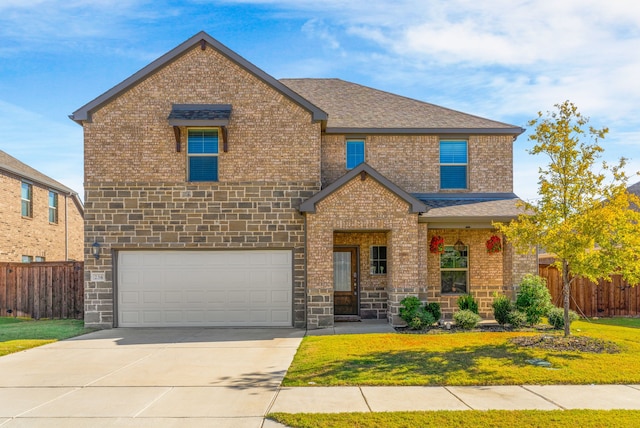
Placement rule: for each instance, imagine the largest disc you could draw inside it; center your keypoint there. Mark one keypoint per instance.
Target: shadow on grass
(486, 362)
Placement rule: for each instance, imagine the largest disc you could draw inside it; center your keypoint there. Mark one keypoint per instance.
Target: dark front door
(345, 281)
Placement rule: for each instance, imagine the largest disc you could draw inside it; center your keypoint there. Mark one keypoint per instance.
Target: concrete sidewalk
(424, 398)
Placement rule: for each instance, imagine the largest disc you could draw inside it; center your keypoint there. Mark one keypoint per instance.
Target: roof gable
(202, 39)
(310, 204)
(355, 108)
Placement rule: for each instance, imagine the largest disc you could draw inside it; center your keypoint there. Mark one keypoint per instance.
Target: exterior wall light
(95, 250)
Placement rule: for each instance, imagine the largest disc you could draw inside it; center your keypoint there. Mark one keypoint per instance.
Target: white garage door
(204, 288)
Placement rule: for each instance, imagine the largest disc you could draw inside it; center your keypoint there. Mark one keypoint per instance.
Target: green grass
(18, 334)
(621, 322)
(474, 418)
(486, 358)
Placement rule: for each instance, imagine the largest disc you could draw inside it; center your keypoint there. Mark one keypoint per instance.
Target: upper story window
(27, 259)
(453, 164)
(40, 259)
(355, 153)
(53, 207)
(202, 154)
(27, 199)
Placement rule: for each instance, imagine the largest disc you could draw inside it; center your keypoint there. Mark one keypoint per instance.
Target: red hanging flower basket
(437, 245)
(494, 244)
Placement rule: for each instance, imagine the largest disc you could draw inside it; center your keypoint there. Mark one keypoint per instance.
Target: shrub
(502, 307)
(555, 317)
(466, 319)
(414, 314)
(534, 298)
(516, 318)
(467, 302)
(434, 309)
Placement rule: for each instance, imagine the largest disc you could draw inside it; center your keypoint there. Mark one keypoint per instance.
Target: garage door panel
(205, 288)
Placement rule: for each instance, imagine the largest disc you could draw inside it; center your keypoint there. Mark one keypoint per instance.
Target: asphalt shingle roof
(13, 165)
(350, 105)
(495, 206)
(200, 111)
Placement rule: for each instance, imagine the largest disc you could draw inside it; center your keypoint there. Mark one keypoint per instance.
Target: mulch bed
(551, 342)
(571, 343)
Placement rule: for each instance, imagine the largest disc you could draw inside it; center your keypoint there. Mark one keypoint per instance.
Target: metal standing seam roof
(356, 108)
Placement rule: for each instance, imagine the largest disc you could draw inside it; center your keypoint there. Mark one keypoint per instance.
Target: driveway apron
(148, 377)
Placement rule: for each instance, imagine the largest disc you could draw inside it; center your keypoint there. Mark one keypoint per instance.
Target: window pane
(26, 191)
(452, 259)
(342, 271)
(454, 281)
(203, 168)
(453, 152)
(453, 177)
(27, 259)
(202, 141)
(355, 153)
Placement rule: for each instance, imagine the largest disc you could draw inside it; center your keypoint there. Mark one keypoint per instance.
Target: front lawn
(477, 358)
(18, 334)
(474, 418)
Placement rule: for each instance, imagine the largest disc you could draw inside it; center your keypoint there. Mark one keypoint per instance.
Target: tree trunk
(566, 294)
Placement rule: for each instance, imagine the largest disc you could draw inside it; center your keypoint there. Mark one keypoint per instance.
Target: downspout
(66, 229)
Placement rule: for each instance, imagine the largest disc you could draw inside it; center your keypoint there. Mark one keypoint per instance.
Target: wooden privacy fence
(601, 299)
(42, 290)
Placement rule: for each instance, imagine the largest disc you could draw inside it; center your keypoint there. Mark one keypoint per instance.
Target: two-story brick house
(217, 195)
(40, 218)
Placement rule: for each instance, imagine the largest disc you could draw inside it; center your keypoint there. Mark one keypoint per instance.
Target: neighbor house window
(27, 259)
(53, 207)
(378, 259)
(202, 154)
(27, 200)
(39, 259)
(355, 153)
(453, 164)
(454, 270)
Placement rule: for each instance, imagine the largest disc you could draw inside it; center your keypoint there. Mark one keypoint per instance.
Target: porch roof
(470, 208)
(415, 205)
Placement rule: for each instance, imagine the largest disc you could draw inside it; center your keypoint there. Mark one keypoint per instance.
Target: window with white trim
(355, 153)
(27, 199)
(454, 270)
(53, 207)
(202, 154)
(453, 165)
(378, 259)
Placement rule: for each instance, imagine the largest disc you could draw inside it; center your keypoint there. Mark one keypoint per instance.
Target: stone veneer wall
(361, 206)
(125, 216)
(412, 161)
(486, 272)
(35, 236)
(373, 287)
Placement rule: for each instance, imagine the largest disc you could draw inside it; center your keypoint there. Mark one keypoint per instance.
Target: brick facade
(137, 194)
(361, 205)
(412, 163)
(35, 236)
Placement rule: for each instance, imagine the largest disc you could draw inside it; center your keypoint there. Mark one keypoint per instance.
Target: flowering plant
(494, 245)
(437, 244)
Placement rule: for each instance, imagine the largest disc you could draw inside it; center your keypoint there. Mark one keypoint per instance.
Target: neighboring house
(217, 195)
(40, 219)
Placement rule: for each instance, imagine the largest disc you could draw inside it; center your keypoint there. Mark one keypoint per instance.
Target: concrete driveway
(148, 377)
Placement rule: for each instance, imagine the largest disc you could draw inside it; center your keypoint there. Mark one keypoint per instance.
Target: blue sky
(500, 59)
